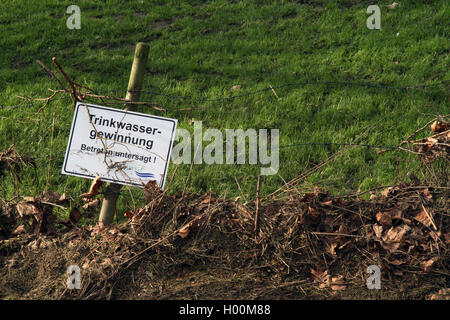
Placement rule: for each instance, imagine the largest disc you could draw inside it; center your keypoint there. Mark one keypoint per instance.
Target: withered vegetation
(305, 245)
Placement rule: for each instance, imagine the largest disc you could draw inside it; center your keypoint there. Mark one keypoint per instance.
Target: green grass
(201, 49)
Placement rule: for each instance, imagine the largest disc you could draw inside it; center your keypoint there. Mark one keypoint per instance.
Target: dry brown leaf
(74, 215)
(331, 248)
(338, 283)
(378, 230)
(384, 218)
(396, 262)
(385, 192)
(184, 231)
(426, 265)
(86, 264)
(93, 190)
(435, 235)
(442, 294)
(208, 200)
(95, 185)
(423, 217)
(106, 262)
(393, 238)
(63, 198)
(20, 229)
(43, 244)
(195, 223)
(34, 245)
(427, 194)
(41, 214)
(429, 143)
(337, 242)
(323, 278)
(53, 197)
(439, 126)
(129, 214)
(320, 276)
(26, 209)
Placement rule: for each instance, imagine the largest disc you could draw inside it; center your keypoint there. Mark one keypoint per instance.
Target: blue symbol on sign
(144, 174)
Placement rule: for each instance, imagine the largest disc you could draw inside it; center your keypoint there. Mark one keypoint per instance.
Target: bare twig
(258, 187)
(51, 153)
(407, 140)
(72, 85)
(47, 100)
(273, 91)
(308, 172)
(54, 204)
(429, 217)
(239, 187)
(50, 72)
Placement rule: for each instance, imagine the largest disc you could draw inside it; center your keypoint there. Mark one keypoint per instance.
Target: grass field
(202, 49)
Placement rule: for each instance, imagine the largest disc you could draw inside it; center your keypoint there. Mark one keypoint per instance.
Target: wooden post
(111, 191)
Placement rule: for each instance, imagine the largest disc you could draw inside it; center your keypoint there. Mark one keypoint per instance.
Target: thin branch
(72, 85)
(258, 188)
(50, 72)
(407, 140)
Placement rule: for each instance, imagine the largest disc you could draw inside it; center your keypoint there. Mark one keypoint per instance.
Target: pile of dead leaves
(324, 242)
(34, 215)
(411, 233)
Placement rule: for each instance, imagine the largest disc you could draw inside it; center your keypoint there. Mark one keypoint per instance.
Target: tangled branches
(80, 92)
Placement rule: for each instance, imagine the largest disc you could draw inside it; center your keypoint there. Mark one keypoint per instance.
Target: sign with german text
(119, 146)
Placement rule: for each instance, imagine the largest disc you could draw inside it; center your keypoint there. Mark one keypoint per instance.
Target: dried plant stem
(51, 153)
(50, 72)
(429, 217)
(239, 187)
(72, 85)
(258, 189)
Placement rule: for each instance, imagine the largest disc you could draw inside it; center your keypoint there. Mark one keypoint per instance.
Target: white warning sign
(120, 146)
